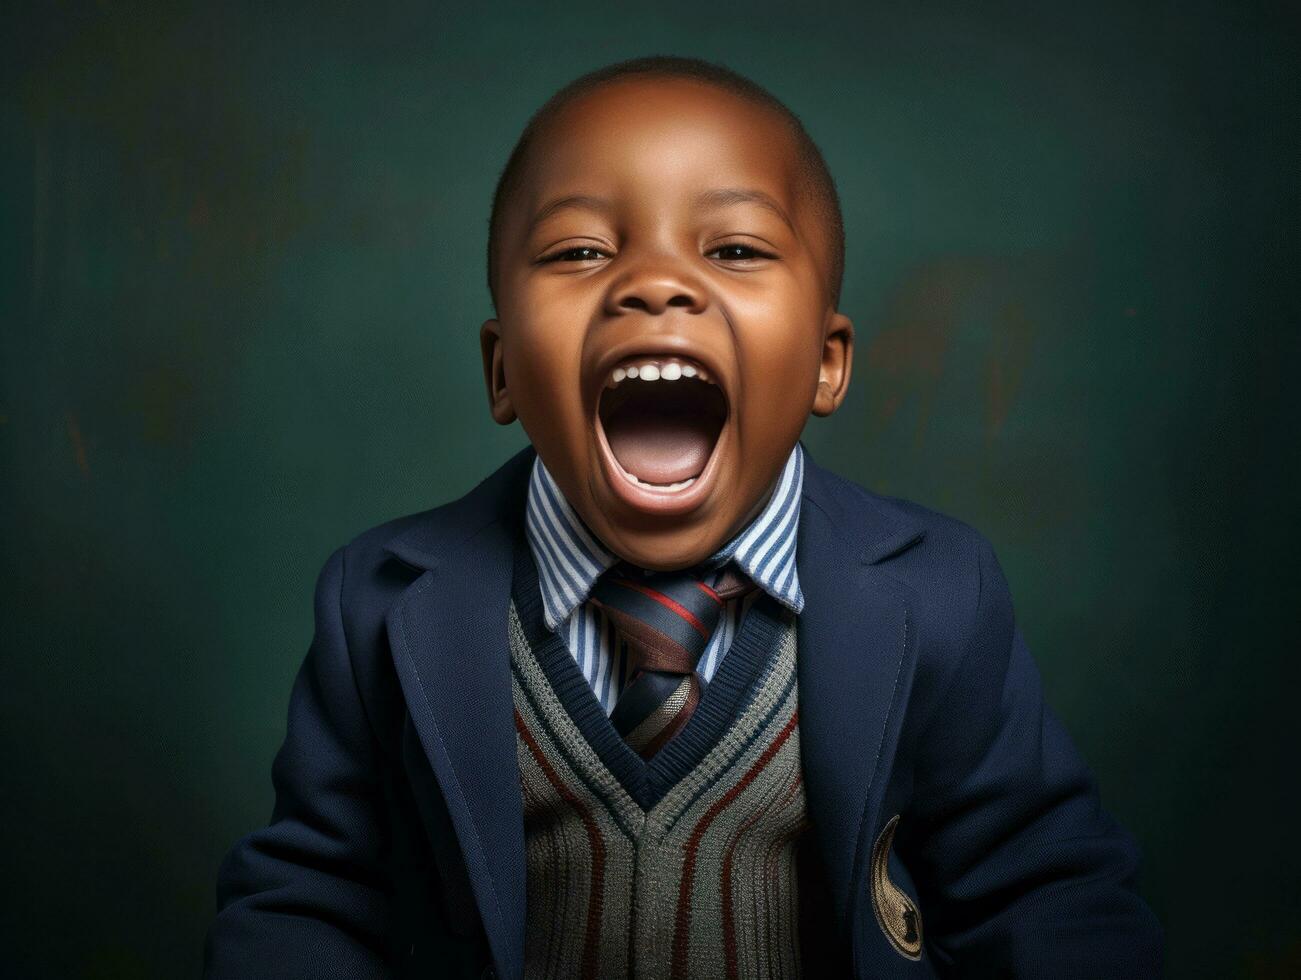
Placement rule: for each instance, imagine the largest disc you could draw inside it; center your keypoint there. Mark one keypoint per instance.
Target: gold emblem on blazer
(895, 911)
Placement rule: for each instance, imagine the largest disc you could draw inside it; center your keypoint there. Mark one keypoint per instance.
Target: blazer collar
(450, 650)
(857, 645)
(856, 641)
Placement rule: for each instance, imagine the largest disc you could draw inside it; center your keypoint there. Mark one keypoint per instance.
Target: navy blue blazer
(396, 844)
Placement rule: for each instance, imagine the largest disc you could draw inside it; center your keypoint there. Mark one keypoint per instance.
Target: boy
(661, 697)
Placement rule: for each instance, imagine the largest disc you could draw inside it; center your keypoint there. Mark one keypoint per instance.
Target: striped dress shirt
(570, 558)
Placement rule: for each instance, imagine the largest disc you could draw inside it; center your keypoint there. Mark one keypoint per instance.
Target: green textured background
(241, 285)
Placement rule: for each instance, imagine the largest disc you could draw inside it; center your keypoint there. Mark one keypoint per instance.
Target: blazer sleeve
(309, 896)
(1020, 871)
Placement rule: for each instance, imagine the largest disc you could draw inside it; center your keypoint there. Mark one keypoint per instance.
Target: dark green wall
(241, 286)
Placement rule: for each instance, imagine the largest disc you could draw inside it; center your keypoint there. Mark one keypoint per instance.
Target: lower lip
(648, 499)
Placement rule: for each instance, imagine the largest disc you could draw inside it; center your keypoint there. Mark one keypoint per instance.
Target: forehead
(652, 139)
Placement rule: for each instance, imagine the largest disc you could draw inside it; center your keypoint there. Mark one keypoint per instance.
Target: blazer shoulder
(370, 548)
(948, 569)
(938, 540)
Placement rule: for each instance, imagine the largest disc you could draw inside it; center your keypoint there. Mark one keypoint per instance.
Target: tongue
(661, 448)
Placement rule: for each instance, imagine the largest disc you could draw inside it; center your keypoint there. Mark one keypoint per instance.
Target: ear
(494, 373)
(837, 360)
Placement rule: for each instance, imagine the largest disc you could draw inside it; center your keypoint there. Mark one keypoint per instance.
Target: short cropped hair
(813, 168)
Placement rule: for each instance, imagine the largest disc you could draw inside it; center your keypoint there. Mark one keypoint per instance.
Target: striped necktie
(667, 619)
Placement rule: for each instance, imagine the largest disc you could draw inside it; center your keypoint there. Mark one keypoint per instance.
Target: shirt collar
(570, 558)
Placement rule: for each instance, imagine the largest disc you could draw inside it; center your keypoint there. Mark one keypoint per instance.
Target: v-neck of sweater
(647, 781)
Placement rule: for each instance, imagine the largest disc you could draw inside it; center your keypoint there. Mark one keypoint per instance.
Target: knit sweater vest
(688, 865)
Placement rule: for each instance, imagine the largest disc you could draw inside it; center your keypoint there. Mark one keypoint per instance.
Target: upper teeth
(657, 369)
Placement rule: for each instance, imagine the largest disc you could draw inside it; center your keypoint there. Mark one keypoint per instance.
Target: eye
(739, 252)
(576, 253)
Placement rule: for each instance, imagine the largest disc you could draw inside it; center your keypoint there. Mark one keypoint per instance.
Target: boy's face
(628, 246)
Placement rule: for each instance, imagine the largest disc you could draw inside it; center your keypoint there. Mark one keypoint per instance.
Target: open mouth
(662, 417)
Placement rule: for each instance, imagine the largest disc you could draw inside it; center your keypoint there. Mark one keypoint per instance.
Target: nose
(655, 285)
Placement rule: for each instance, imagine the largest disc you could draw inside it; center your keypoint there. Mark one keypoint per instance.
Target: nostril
(655, 297)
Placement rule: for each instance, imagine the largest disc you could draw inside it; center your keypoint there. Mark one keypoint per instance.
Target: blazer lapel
(448, 637)
(854, 665)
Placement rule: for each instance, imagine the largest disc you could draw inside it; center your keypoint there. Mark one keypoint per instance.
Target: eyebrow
(725, 196)
(584, 201)
(717, 198)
